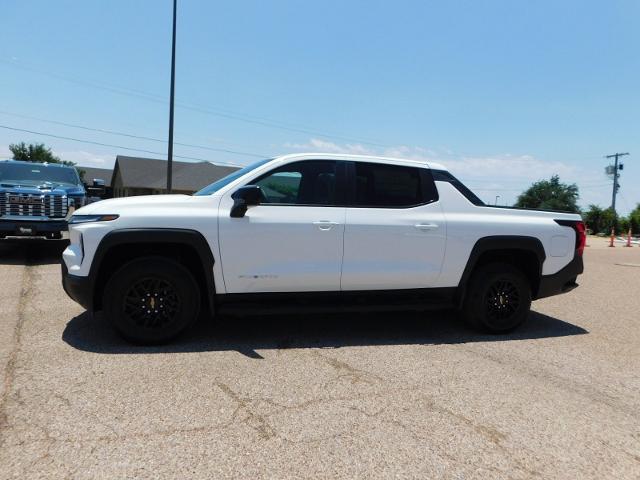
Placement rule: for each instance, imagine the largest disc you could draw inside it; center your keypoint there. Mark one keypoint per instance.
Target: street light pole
(171, 101)
(497, 197)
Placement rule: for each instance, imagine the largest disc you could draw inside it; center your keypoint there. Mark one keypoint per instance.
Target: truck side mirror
(245, 197)
(96, 189)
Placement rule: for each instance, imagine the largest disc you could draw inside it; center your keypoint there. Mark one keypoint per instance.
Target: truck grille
(29, 205)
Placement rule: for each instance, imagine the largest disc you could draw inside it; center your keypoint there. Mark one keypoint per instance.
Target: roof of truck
(362, 158)
(46, 164)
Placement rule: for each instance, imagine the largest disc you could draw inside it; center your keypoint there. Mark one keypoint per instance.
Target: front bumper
(78, 288)
(23, 228)
(563, 281)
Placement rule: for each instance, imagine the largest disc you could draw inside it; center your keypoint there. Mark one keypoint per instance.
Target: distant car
(317, 232)
(37, 199)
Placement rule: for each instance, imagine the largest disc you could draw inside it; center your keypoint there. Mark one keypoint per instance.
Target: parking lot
(344, 396)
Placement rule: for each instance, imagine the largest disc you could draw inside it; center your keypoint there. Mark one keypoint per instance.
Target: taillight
(581, 237)
(581, 233)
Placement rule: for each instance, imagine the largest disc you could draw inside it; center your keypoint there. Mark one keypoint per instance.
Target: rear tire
(498, 298)
(151, 300)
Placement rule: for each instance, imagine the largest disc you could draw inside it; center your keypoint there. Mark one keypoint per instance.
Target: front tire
(498, 298)
(151, 300)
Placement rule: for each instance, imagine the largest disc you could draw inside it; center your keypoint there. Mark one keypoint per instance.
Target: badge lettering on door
(256, 277)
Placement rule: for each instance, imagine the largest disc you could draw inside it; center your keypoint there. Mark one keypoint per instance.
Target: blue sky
(502, 92)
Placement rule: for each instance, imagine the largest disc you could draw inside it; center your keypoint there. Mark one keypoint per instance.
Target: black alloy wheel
(151, 300)
(502, 301)
(498, 298)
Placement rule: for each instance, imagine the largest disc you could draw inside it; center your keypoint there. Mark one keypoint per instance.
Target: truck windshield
(37, 174)
(224, 181)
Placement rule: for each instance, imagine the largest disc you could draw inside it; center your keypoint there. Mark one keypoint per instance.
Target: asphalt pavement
(408, 395)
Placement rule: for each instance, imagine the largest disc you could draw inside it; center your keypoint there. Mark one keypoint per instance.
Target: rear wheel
(498, 298)
(151, 300)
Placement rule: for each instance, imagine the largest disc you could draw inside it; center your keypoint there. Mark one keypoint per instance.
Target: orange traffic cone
(613, 233)
(586, 229)
(628, 238)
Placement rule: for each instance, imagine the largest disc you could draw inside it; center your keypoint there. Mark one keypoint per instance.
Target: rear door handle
(325, 224)
(426, 226)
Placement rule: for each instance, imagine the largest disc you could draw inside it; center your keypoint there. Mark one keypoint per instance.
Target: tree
(35, 152)
(550, 194)
(600, 220)
(610, 219)
(593, 217)
(633, 220)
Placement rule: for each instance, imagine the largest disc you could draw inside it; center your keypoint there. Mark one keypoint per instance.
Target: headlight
(77, 202)
(92, 218)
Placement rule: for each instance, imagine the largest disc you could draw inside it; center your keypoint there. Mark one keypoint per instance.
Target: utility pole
(613, 169)
(171, 101)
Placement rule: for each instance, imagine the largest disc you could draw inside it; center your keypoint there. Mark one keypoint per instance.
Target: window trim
(426, 177)
(445, 176)
(340, 193)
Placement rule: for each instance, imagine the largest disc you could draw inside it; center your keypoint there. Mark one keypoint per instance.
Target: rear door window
(391, 186)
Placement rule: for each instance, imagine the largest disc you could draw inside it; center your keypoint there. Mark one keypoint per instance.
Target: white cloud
(87, 159)
(318, 145)
(325, 146)
(525, 167)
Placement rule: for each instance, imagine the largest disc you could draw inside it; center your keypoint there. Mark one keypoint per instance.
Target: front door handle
(426, 226)
(325, 224)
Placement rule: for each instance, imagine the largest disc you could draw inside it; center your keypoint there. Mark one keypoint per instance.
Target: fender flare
(191, 238)
(497, 243)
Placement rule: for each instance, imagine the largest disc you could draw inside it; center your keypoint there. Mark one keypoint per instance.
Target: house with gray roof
(92, 173)
(89, 174)
(148, 176)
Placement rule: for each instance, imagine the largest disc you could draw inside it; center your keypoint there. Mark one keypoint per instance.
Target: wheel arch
(526, 253)
(118, 247)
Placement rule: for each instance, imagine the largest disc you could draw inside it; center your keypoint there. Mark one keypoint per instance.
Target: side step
(331, 302)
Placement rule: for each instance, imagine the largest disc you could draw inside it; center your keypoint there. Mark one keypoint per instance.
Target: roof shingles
(138, 172)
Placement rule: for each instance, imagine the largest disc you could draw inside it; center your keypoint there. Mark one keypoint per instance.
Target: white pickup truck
(317, 232)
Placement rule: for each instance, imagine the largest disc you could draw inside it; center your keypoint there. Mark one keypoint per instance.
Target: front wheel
(151, 300)
(498, 298)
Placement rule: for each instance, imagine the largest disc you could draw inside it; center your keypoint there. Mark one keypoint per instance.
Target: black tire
(151, 300)
(498, 298)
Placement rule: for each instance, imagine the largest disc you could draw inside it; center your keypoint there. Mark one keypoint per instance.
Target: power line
(298, 128)
(587, 187)
(111, 145)
(137, 137)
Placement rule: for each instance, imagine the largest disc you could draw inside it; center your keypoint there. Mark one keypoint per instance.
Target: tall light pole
(171, 101)
(497, 197)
